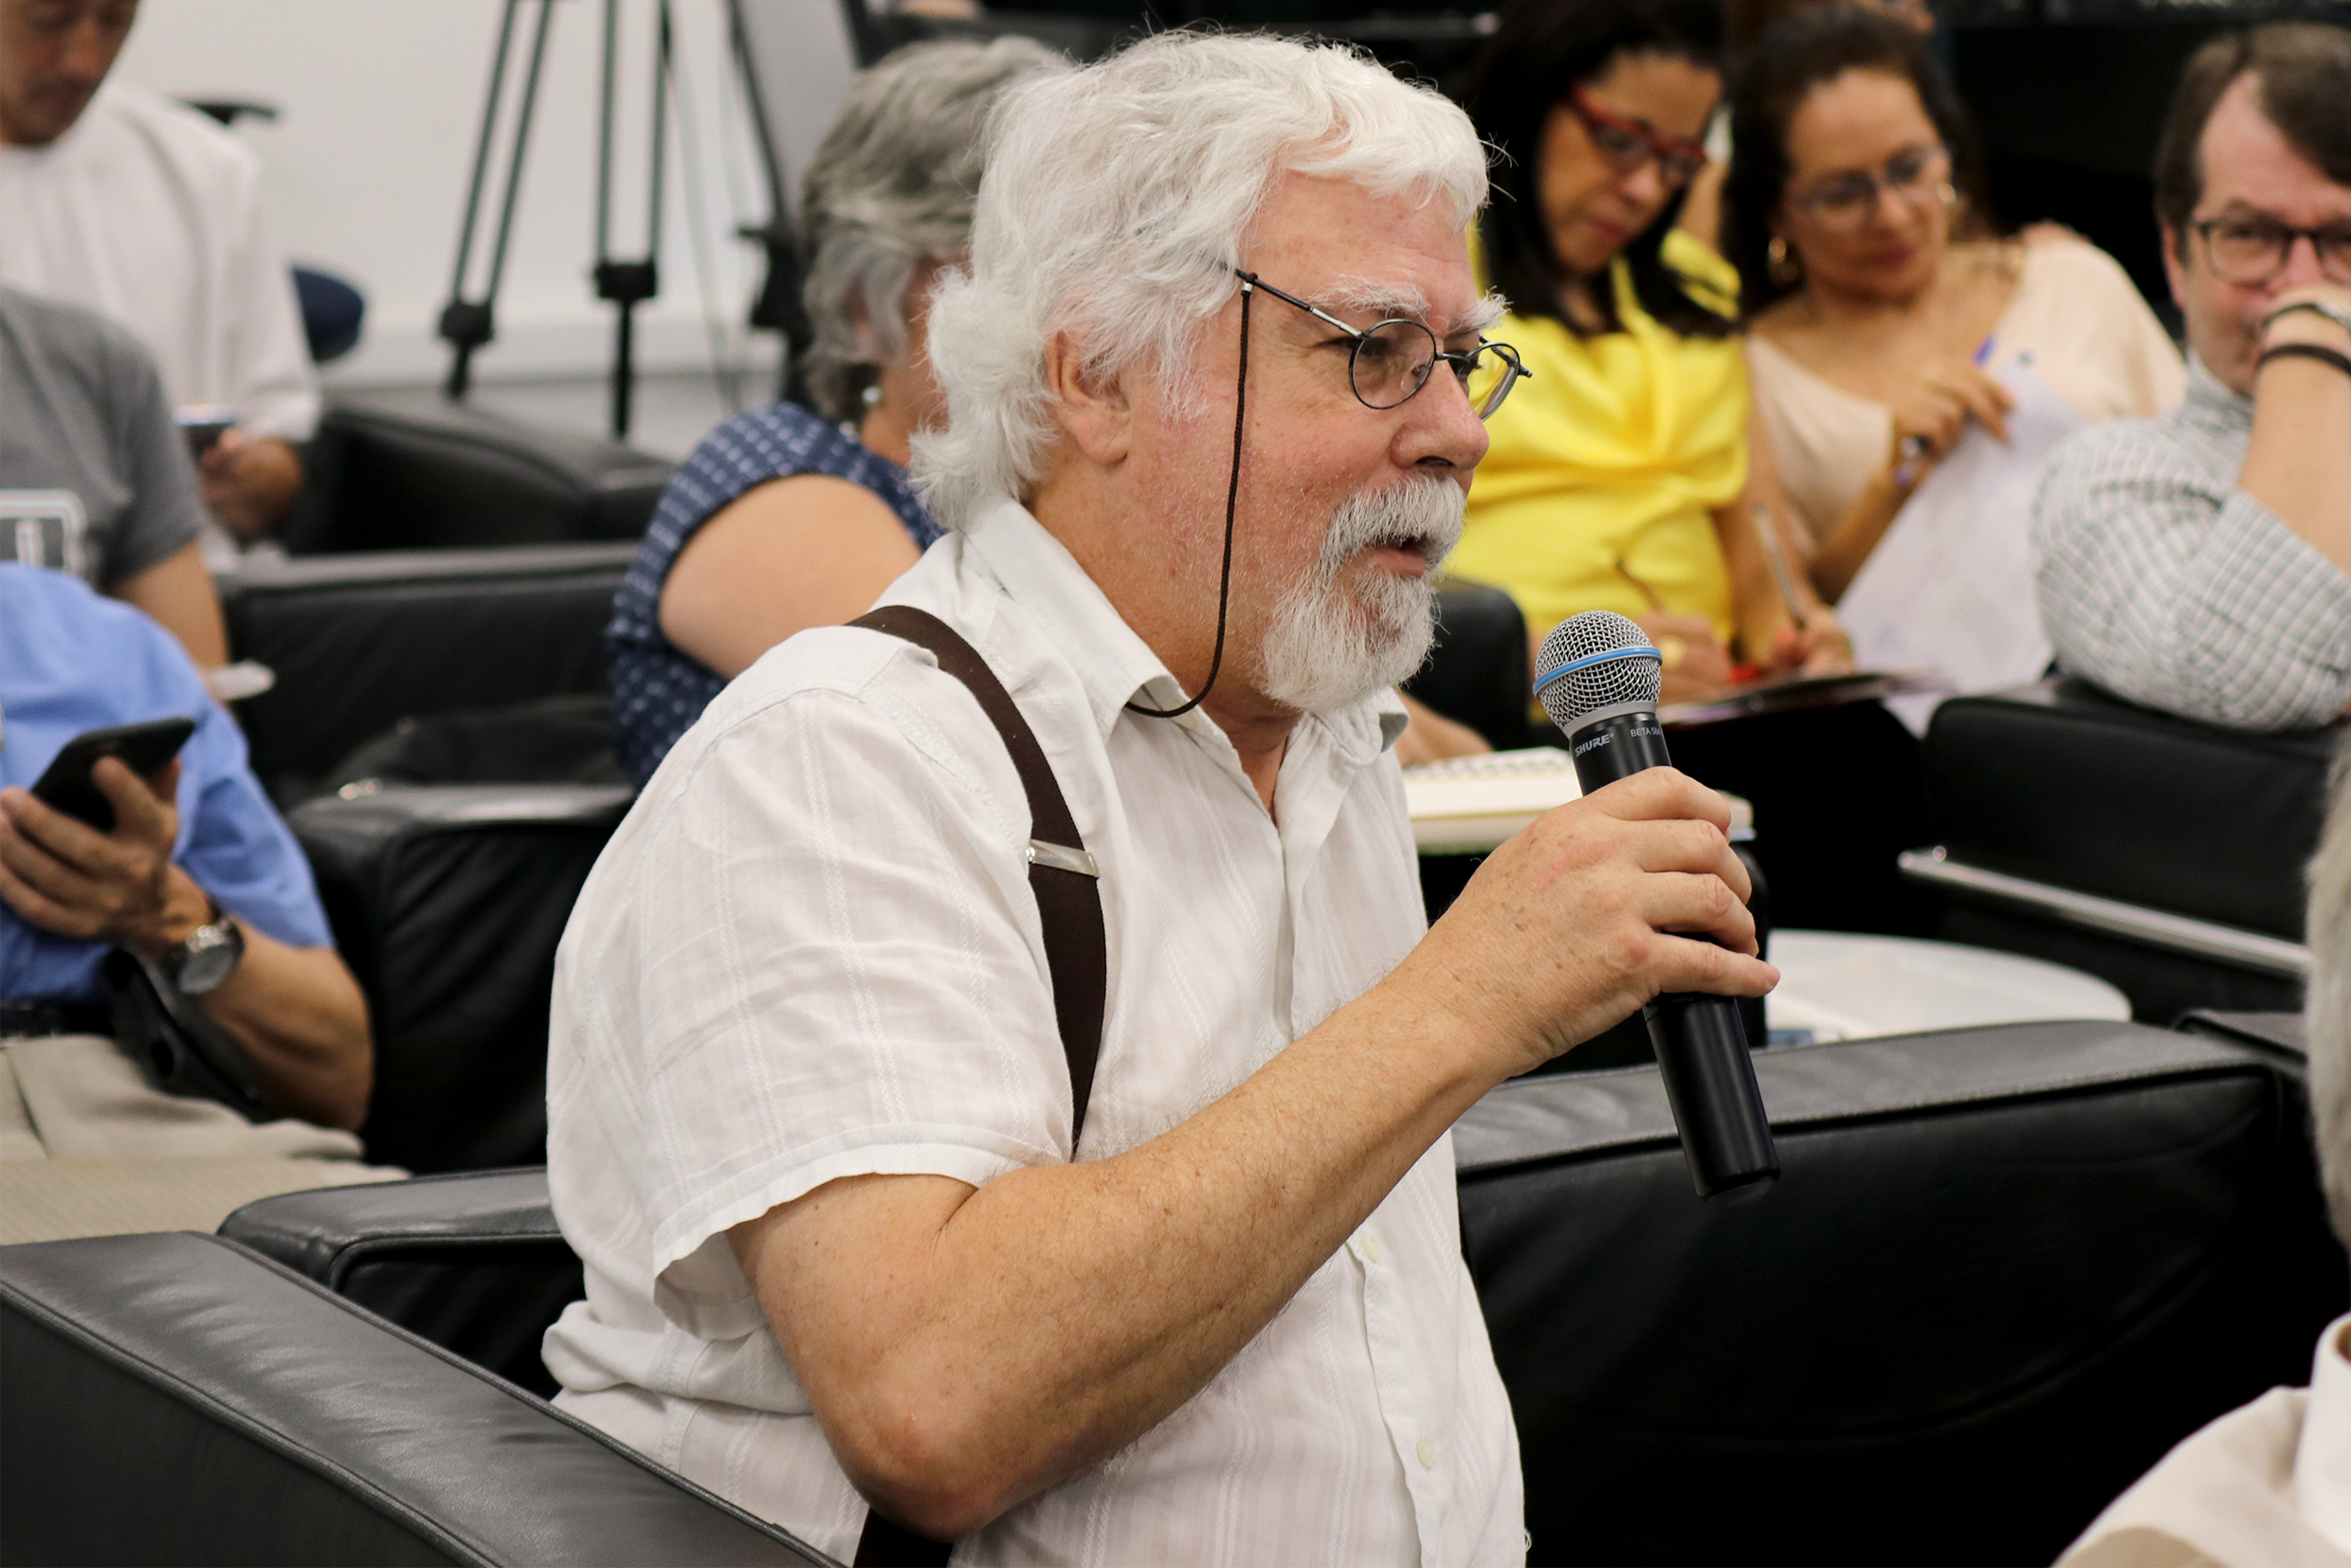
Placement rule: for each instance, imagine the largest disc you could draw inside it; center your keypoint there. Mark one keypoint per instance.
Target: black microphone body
(1701, 1043)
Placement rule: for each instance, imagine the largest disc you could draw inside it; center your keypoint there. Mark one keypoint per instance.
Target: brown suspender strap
(1068, 895)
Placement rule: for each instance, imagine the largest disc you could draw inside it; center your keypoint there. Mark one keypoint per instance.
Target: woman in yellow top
(1619, 475)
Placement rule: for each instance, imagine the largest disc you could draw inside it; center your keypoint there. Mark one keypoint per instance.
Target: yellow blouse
(1606, 466)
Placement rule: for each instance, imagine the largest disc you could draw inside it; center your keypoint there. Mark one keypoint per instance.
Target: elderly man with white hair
(876, 1245)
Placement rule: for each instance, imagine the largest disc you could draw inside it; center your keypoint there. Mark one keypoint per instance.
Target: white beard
(1329, 646)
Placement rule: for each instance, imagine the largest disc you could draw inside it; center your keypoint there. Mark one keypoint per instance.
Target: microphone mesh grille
(1610, 684)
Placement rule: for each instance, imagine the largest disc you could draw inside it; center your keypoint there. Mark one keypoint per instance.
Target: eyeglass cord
(1232, 498)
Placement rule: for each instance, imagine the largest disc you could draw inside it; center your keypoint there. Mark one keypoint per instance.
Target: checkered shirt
(2161, 580)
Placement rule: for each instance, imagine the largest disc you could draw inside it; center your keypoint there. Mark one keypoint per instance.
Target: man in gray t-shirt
(95, 478)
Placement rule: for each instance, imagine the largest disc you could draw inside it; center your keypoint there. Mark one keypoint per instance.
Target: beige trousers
(88, 1147)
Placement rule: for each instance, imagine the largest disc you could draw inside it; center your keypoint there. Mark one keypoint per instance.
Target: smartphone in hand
(203, 425)
(146, 748)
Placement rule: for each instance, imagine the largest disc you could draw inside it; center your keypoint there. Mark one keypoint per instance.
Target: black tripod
(467, 324)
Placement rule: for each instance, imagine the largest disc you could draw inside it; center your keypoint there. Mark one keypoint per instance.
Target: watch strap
(2326, 308)
(2319, 351)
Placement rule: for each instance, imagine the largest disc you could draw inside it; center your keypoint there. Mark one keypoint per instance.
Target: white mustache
(1422, 515)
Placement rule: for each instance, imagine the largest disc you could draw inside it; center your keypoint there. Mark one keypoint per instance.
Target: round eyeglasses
(1394, 359)
(1918, 176)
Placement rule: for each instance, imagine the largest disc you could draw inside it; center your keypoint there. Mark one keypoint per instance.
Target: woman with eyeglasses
(1880, 304)
(1618, 477)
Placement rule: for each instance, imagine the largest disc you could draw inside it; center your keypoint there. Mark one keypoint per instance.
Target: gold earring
(1785, 269)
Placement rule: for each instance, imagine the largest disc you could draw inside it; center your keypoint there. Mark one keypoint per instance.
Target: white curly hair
(1111, 194)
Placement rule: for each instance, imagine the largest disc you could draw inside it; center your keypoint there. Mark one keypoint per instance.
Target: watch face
(209, 956)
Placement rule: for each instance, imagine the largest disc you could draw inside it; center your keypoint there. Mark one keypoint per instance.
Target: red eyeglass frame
(1661, 147)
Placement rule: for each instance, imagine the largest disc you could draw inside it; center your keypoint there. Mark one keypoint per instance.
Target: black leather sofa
(177, 1398)
(448, 902)
(456, 477)
(2163, 855)
(2005, 1269)
(360, 643)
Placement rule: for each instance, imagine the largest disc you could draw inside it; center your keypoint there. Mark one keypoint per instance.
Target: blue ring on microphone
(1591, 659)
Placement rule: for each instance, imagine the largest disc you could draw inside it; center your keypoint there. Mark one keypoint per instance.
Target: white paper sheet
(1950, 586)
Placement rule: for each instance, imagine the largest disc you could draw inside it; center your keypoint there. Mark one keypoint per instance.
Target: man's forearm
(1027, 1329)
(965, 1349)
(2298, 463)
(303, 1026)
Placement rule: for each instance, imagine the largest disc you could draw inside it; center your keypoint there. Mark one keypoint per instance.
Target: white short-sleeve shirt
(810, 952)
(148, 212)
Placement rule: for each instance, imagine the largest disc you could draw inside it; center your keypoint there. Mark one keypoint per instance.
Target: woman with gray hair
(782, 519)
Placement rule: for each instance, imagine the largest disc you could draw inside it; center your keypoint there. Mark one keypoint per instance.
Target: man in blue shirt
(200, 876)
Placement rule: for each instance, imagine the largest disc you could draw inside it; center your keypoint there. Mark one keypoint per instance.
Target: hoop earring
(1785, 269)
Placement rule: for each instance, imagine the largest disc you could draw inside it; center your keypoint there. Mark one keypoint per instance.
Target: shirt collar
(1114, 666)
(2323, 1458)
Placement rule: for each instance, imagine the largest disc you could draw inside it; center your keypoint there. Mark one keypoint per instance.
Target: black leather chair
(2162, 855)
(359, 643)
(2003, 1271)
(448, 902)
(176, 1399)
(457, 477)
(1477, 672)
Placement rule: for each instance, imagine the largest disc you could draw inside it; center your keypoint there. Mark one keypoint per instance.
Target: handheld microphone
(1598, 677)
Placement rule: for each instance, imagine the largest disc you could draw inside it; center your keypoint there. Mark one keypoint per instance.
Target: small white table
(1838, 986)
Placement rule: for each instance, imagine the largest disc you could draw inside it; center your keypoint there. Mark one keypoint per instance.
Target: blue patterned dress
(658, 691)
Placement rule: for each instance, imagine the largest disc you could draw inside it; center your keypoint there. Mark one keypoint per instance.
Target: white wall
(380, 104)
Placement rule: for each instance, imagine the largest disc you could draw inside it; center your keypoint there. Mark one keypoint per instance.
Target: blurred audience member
(148, 212)
(94, 476)
(1619, 475)
(780, 519)
(199, 877)
(2269, 1484)
(1751, 18)
(2197, 562)
(1878, 324)
(1701, 214)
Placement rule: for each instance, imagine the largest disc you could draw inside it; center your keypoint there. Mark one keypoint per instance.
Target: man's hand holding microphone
(1628, 900)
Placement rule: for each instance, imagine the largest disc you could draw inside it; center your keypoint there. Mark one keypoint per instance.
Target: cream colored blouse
(2074, 311)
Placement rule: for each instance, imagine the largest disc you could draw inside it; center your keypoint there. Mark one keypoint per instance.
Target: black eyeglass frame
(2202, 228)
(1465, 365)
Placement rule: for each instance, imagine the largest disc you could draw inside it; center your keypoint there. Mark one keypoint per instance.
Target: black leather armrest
(360, 642)
(472, 1262)
(1477, 673)
(2062, 784)
(177, 1399)
(457, 476)
(2283, 1032)
(448, 901)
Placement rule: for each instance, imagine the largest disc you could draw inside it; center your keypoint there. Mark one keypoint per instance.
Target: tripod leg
(469, 324)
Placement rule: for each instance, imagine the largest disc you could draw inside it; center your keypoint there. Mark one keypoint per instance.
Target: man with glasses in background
(2200, 562)
(886, 1195)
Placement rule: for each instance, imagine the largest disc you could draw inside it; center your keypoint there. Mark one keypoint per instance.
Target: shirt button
(1368, 1247)
(1427, 1451)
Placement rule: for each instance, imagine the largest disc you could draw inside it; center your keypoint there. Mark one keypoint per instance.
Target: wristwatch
(208, 956)
(2328, 308)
